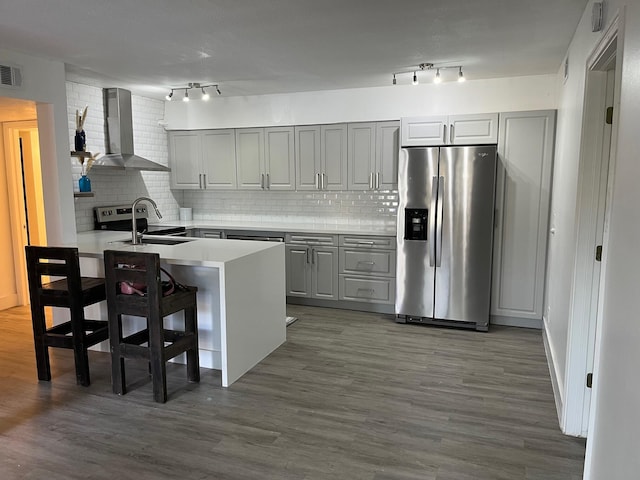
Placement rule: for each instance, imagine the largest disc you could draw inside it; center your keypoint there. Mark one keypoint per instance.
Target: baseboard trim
(535, 323)
(555, 384)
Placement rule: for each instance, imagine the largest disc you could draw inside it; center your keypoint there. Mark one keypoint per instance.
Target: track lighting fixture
(423, 67)
(437, 78)
(205, 95)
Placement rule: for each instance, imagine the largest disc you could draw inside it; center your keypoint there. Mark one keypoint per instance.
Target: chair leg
(193, 360)
(42, 350)
(156, 357)
(118, 379)
(80, 354)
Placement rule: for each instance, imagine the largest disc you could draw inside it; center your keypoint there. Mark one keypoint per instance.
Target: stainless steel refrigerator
(445, 235)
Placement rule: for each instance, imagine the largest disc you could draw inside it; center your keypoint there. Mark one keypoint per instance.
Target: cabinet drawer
(312, 239)
(376, 262)
(368, 241)
(371, 290)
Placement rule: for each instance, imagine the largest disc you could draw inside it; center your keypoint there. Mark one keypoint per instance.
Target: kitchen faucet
(135, 240)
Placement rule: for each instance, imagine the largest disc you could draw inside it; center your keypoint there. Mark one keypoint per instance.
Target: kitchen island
(241, 293)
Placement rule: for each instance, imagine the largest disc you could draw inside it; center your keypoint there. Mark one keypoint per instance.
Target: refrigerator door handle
(440, 220)
(451, 134)
(432, 222)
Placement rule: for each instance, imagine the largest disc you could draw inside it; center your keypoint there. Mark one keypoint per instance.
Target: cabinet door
(185, 157)
(423, 131)
(250, 158)
(334, 156)
(298, 270)
(307, 157)
(361, 158)
(279, 158)
(473, 129)
(387, 150)
(324, 265)
(523, 190)
(219, 159)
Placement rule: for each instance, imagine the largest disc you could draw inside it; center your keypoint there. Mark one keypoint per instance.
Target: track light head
(205, 95)
(437, 78)
(186, 95)
(394, 79)
(415, 79)
(169, 96)
(461, 76)
(218, 90)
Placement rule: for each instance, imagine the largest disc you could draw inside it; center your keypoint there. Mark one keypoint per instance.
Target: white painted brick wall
(150, 141)
(114, 187)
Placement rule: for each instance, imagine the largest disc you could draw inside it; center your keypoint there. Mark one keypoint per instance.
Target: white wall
(612, 446)
(44, 83)
(364, 104)
(117, 187)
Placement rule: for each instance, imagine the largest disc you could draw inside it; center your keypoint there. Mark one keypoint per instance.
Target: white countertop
(287, 227)
(196, 251)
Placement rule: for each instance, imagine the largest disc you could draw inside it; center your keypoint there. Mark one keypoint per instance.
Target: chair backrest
(53, 262)
(141, 269)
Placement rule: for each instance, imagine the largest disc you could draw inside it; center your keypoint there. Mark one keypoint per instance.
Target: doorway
(598, 129)
(22, 205)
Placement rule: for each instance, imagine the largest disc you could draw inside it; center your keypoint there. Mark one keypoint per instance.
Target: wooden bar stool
(143, 271)
(73, 292)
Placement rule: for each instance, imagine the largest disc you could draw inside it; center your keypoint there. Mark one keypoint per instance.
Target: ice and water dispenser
(415, 223)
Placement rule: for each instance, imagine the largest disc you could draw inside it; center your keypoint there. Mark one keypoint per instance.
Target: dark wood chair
(73, 292)
(162, 344)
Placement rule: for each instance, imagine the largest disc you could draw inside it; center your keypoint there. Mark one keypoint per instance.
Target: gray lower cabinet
(312, 266)
(367, 269)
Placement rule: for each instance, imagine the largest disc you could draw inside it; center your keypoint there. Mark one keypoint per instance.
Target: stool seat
(162, 344)
(73, 292)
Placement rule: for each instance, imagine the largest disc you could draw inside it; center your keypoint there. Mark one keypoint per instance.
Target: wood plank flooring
(350, 395)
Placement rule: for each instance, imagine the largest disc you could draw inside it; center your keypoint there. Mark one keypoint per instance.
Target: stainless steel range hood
(119, 135)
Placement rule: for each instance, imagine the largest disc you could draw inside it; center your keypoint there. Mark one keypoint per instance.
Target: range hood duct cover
(119, 135)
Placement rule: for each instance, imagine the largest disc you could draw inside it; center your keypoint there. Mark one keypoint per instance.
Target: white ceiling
(276, 46)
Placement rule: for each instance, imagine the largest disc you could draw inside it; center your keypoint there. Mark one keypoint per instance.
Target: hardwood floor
(349, 396)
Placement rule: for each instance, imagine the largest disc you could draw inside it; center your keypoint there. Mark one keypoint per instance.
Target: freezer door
(415, 267)
(465, 225)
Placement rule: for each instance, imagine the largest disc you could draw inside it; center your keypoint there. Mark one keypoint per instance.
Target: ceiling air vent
(10, 76)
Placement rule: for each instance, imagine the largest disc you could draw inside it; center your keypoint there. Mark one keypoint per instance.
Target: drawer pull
(371, 291)
(367, 262)
(366, 243)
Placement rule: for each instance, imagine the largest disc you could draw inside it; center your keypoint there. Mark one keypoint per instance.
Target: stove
(118, 218)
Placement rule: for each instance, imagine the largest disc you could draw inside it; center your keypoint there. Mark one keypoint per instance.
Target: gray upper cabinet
(202, 159)
(321, 157)
(265, 158)
(279, 158)
(523, 190)
(373, 155)
(362, 156)
(219, 159)
(185, 157)
(474, 129)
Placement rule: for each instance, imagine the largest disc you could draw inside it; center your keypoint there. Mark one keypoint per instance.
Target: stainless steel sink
(161, 241)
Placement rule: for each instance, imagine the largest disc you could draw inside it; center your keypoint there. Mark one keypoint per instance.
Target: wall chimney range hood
(119, 135)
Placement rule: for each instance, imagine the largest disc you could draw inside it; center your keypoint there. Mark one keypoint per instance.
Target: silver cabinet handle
(323, 184)
(204, 181)
(371, 181)
(377, 180)
(440, 220)
(362, 242)
(308, 254)
(200, 180)
(268, 182)
(262, 181)
(451, 134)
(313, 256)
(444, 133)
(367, 262)
(432, 222)
(317, 181)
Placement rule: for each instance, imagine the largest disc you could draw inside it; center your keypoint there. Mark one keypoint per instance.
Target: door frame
(17, 208)
(595, 171)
